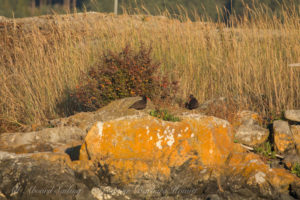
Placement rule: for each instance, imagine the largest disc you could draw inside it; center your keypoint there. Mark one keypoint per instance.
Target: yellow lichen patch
(281, 179)
(283, 141)
(296, 135)
(252, 164)
(213, 141)
(142, 145)
(246, 164)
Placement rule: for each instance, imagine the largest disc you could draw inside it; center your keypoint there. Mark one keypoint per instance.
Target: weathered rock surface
(114, 110)
(296, 135)
(251, 135)
(283, 137)
(22, 177)
(293, 115)
(147, 144)
(247, 117)
(41, 141)
(248, 129)
(196, 155)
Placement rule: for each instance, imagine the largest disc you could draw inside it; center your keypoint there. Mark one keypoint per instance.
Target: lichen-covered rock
(282, 136)
(145, 154)
(293, 115)
(248, 129)
(136, 145)
(296, 135)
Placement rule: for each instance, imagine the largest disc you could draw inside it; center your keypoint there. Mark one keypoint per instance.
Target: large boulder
(196, 155)
(147, 144)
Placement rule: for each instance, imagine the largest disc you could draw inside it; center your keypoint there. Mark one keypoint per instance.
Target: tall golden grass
(247, 62)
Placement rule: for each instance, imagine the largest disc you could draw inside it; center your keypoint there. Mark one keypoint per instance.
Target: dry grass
(248, 63)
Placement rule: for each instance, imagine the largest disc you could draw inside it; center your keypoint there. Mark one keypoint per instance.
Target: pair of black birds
(141, 104)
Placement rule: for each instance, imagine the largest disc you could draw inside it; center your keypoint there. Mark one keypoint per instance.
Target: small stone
(282, 136)
(293, 115)
(247, 117)
(296, 135)
(248, 129)
(290, 160)
(251, 135)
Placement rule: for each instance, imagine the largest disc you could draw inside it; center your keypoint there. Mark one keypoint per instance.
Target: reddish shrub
(119, 75)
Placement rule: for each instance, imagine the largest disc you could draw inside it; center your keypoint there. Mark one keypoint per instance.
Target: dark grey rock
(25, 178)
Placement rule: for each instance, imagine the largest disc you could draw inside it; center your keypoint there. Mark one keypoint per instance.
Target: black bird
(192, 103)
(140, 104)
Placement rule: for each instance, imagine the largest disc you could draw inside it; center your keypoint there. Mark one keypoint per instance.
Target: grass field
(247, 62)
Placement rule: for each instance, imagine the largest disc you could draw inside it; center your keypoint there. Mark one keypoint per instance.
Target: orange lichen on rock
(296, 135)
(144, 146)
(282, 136)
(256, 172)
(283, 141)
(281, 179)
(147, 144)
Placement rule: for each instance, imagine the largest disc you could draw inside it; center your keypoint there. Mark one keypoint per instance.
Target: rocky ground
(121, 153)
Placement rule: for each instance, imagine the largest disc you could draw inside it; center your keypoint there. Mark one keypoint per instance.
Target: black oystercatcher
(141, 104)
(192, 103)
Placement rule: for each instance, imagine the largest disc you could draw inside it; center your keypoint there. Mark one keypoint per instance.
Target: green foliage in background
(208, 9)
